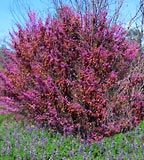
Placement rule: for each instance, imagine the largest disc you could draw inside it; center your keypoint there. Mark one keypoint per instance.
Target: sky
(11, 12)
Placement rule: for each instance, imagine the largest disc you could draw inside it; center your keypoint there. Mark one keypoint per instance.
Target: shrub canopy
(66, 72)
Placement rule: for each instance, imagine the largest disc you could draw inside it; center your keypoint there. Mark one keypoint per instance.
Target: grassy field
(20, 141)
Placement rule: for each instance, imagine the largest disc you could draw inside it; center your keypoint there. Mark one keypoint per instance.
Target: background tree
(136, 26)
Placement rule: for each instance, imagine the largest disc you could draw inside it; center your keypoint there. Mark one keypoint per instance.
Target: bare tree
(138, 22)
(93, 6)
(19, 9)
(81, 6)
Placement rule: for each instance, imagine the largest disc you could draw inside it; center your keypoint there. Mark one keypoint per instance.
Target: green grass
(4, 117)
(27, 142)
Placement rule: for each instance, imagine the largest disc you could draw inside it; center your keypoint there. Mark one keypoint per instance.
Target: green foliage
(23, 139)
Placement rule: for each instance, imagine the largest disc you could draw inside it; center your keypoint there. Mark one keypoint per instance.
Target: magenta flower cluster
(66, 73)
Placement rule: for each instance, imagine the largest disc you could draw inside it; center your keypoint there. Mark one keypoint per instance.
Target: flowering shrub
(66, 73)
